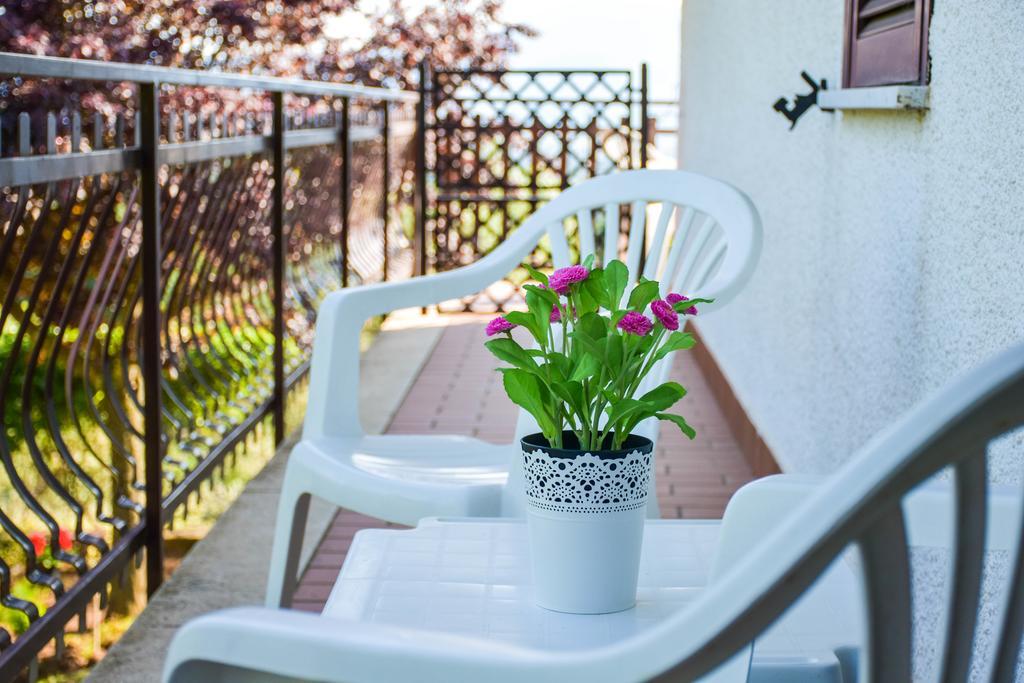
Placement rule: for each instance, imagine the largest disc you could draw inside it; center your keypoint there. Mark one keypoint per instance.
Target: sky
(573, 34)
(580, 34)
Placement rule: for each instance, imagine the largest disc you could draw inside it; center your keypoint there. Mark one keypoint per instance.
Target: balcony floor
(458, 392)
(422, 375)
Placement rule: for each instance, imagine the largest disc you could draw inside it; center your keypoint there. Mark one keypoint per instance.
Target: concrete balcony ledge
(228, 567)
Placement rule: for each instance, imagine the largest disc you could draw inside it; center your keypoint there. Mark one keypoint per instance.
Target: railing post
(644, 141)
(644, 133)
(421, 173)
(345, 146)
(385, 131)
(278, 258)
(149, 180)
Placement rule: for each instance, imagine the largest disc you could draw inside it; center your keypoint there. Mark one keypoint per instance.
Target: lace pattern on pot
(587, 483)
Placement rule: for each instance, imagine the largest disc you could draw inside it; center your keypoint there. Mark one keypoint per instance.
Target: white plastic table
(472, 577)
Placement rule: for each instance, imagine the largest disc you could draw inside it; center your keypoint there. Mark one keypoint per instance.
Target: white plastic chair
(705, 242)
(873, 503)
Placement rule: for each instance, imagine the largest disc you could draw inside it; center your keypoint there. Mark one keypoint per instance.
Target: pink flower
(674, 298)
(556, 313)
(563, 277)
(635, 323)
(665, 314)
(498, 325)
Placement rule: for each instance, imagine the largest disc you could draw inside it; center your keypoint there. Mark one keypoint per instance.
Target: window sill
(892, 97)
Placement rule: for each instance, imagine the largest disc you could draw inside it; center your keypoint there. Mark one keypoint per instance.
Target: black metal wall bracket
(801, 103)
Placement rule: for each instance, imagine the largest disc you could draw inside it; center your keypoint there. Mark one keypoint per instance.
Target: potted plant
(587, 475)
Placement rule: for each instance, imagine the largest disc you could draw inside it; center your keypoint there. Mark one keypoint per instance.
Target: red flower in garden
(38, 539)
(65, 539)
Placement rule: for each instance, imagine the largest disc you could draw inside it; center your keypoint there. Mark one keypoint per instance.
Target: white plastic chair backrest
(696, 235)
(333, 408)
(863, 504)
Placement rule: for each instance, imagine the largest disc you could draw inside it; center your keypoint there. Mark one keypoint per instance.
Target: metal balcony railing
(161, 271)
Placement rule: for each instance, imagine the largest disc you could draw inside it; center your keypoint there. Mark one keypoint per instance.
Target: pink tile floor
(458, 392)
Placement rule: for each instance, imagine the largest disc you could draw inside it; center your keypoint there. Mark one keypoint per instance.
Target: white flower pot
(585, 515)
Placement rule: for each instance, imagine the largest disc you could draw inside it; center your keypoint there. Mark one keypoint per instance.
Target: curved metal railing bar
(73, 339)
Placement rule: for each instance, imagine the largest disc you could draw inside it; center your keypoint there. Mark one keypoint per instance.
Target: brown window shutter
(886, 42)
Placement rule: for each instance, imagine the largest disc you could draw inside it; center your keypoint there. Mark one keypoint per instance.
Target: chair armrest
(299, 645)
(334, 370)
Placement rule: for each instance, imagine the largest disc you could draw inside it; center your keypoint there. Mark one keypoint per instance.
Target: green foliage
(583, 374)
(615, 278)
(644, 293)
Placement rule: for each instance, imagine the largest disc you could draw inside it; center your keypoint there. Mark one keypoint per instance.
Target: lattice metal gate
(497, 144)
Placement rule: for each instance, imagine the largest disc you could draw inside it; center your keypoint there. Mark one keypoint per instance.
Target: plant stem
(645, 365)
(618, 381)
(598, 406)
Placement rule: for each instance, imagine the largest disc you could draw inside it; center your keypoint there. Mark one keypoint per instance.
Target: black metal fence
(502, 142)
(161, 269)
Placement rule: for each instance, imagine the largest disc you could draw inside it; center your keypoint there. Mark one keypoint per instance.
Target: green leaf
(613, 353)
(571, 393)
(594, 288)
(585, 302)
(681, 306)
(588, 366)
(679, 421)
(616, 275)
(593, 325)
(540, 307)
(629, 412)
(643, 294)
(529, 322)
(588, 262)
(676, 341)
(630, 423)
(664, 396)
(594, 347)
(528, 393)
(543, 292)
(559, 366)
(536, 274)
(512, 353)
(627, 408)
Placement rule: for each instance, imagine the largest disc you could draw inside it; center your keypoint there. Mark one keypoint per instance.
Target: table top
(472, 577)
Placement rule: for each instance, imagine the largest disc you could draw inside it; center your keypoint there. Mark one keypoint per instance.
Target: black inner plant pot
(571, 446)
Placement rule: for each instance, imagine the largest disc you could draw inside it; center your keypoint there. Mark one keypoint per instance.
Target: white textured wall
(894, 241)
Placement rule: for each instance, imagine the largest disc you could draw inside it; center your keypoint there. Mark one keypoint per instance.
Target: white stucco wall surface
(894, 241)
